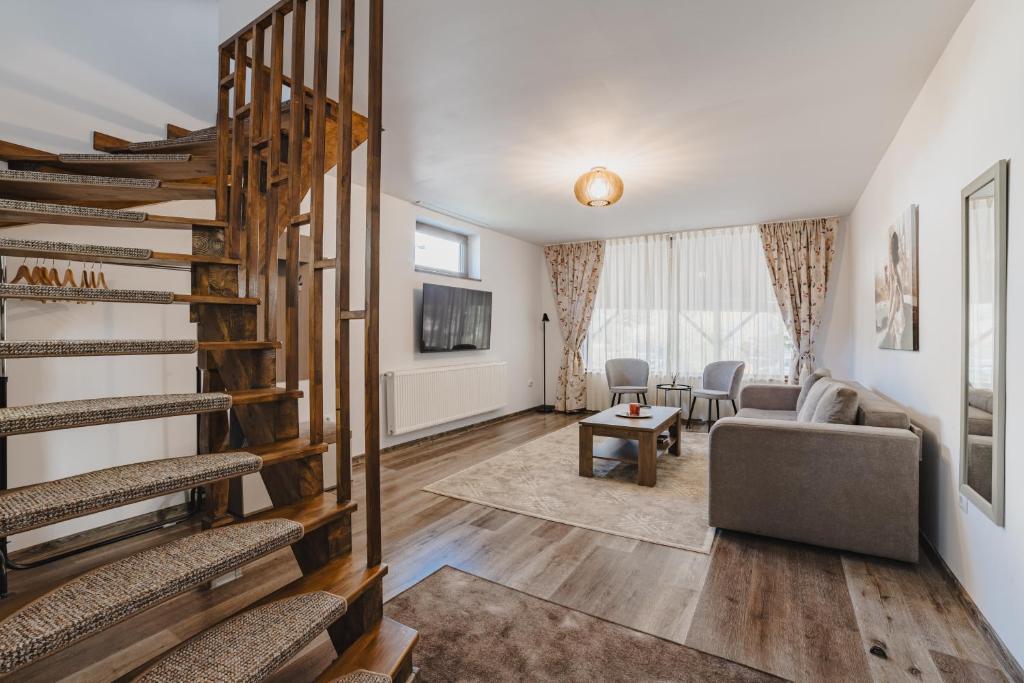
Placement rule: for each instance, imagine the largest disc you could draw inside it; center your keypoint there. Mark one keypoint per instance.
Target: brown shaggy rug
(472, 629)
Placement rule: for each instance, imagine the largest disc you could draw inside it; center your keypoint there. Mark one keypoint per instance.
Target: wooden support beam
(372, 323)
(343, 258)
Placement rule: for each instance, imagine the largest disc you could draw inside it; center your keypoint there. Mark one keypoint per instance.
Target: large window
(441, 251)
(683, 300)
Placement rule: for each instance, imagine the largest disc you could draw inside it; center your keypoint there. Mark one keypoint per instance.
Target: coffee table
(644, 431)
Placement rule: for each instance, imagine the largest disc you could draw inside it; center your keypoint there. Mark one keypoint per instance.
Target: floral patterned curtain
(799, 254)
(575, 270)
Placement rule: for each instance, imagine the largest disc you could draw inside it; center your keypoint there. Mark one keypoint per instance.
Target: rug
(472, 629)
(541, 479)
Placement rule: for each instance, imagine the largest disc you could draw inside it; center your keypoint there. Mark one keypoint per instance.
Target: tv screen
(455, 319)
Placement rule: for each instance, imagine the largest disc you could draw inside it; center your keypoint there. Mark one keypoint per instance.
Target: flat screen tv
(455, 319)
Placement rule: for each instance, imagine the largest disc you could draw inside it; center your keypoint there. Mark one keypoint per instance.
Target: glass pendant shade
(598, 187)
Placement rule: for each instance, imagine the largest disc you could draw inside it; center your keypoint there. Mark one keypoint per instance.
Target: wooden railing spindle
(343, 257)
(273, 170)
(372, 308)
(296, 117)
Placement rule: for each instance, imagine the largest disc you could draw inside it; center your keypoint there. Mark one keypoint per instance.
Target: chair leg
(712, 407)
(615, 399)
(733, 402)
(644, 396)
(689, 414)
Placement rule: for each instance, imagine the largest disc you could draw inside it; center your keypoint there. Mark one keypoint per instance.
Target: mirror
(984, 214)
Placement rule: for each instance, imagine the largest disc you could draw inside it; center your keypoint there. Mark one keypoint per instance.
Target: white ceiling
(714, 112)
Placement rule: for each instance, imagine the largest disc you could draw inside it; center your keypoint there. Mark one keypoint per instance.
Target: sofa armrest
(769, 396)
(841, 486)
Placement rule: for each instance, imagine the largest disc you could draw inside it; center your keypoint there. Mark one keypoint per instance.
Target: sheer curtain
(682, 300)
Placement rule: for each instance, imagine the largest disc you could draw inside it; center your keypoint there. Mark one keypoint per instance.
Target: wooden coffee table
(643, 430)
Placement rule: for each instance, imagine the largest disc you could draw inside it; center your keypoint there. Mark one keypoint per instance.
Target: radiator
(417, 399)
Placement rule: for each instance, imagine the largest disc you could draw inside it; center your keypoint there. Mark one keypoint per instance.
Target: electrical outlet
(963, 503)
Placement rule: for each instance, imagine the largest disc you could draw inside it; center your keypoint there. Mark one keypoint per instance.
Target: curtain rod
(673, 232)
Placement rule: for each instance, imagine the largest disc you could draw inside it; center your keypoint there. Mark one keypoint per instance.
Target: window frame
(446, 234)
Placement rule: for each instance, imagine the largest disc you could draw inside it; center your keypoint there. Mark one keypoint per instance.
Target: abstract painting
(896, 286)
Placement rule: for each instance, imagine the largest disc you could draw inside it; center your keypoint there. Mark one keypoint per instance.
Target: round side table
(680, 388)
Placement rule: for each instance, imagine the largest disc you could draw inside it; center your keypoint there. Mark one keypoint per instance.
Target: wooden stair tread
(241, 397)
(117, 296)
(30, 507)
(23, 211)
(122, 589)
(127, 256)
(312, 513)
(382, 649)
(216, 300)
(72, 187)
(242, 345)
(46, 417)
(63, 348)
(288, 449)
(161, 166)
(252, 645)
(346, 576)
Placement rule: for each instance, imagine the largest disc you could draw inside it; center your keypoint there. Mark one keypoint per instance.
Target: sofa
(829, 463)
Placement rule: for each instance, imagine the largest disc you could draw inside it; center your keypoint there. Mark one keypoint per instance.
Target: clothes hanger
(39, 275)
(23, 274)
(102, 280)
(69, 277)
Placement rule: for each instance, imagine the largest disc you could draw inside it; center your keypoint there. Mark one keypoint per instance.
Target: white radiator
(417, 399)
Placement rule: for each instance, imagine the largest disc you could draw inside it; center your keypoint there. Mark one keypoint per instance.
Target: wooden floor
(799, 612)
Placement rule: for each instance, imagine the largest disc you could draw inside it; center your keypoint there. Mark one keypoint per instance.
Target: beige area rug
(472, 629)
(541, 479)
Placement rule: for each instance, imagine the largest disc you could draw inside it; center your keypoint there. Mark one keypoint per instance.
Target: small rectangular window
(441, 251)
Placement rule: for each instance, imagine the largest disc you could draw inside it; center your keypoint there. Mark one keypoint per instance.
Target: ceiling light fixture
(598, 187)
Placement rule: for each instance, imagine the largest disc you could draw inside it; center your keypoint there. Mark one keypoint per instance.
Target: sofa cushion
(980, 399)
(979, 422)
(817, 390)
(838, 405)
(875, 411)
(807, 383)
(760, 414)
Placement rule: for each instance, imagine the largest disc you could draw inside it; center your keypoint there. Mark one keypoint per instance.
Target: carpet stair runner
(116, 296)
(63, 348)
(251, 646)
(31, 507)
(179, 166)
(122, 589)
(45, 417)
(63, 187)
(23, 211)
(125, 256)
(195, 139)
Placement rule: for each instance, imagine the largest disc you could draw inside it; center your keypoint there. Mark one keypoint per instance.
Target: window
(441, 251)
(683, 300)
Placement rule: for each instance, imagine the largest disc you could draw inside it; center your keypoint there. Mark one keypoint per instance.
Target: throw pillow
(838, 405)
(814, 395)
(809, 381)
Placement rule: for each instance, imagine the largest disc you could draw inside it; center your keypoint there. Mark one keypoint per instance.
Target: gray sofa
(805, 476)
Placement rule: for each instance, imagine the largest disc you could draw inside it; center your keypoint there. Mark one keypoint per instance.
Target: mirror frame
(995, 510)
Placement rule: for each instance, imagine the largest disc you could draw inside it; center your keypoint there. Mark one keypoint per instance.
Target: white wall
(968, 115)
(125, 67)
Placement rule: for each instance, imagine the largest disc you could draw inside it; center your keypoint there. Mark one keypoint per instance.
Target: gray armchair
(627, 376)
(721, 382)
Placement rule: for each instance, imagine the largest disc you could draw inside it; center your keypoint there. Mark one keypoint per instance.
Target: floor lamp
(544, 407)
